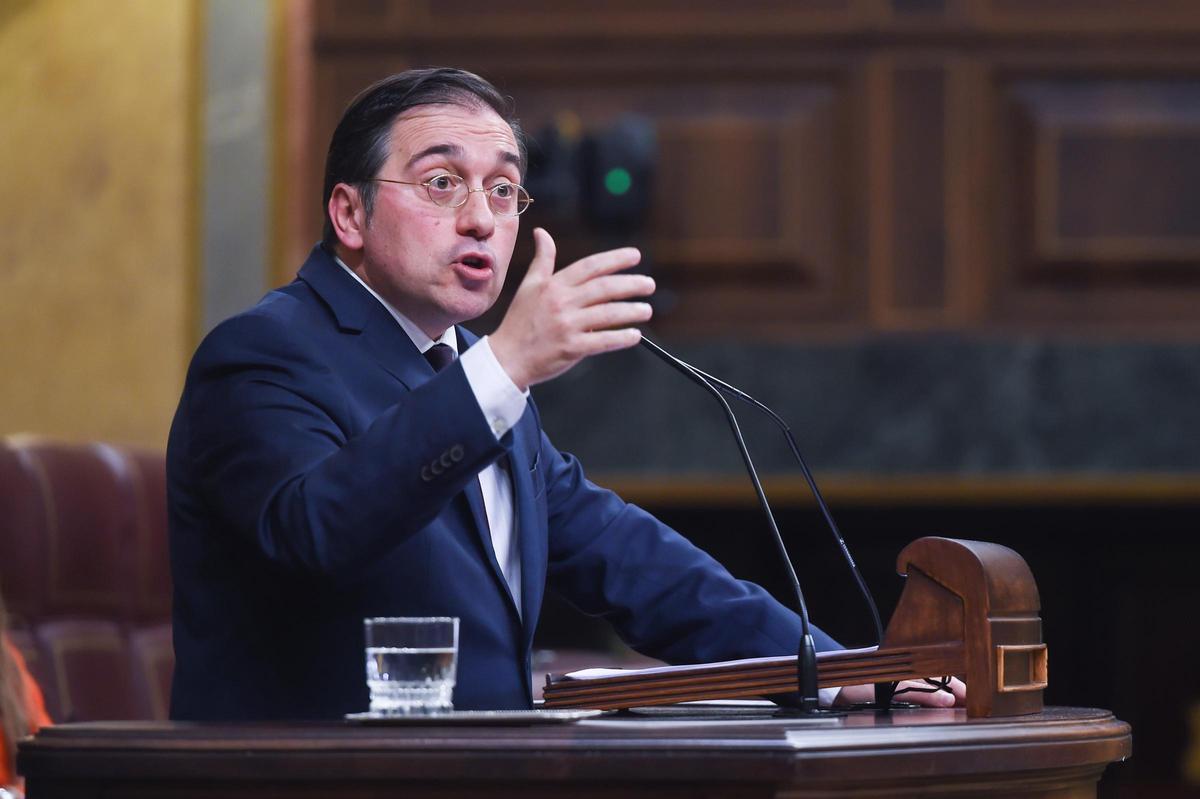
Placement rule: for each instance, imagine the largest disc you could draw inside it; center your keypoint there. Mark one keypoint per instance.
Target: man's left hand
(862, 694)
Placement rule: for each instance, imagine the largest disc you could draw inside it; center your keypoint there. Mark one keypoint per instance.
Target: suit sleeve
(666, 597)
(266, 434)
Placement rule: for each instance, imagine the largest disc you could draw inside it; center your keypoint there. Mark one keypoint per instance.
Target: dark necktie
(440, 356)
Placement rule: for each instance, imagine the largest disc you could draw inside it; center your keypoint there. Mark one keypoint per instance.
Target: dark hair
(359, 145)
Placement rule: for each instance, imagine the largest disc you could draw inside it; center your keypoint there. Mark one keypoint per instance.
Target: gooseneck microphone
(806, 663)
(806, 658)
(716, 382)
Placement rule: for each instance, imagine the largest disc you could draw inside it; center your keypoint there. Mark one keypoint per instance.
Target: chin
(468, 310)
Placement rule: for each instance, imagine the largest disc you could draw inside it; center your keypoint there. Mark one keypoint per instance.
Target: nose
(475, 217)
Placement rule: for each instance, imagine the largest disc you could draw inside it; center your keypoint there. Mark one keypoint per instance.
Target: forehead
(472, 132)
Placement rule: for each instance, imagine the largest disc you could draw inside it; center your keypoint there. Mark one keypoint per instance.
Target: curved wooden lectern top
(984, 596)
(1059, 753)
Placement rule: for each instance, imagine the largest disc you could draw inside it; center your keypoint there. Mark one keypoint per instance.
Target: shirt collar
(422, 341)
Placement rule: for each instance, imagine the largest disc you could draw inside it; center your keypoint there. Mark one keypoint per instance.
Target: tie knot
(440, 356)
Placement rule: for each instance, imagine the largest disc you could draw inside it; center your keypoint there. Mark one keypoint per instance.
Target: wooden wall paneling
(1117, 172)
(749, 227)
(878, 119)
(930, 275)
(924, 16)
(778, 260)
(548, 20)
(1009, 214)
(903, 8)
(914, 129)
(760, 250)
(916, 282)
(295, 184)
(1075, 17)
(358, 19)
(968, 197)
(1099, 219)
(919, 161)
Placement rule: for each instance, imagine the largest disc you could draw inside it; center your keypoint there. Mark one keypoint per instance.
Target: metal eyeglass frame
(463, 182)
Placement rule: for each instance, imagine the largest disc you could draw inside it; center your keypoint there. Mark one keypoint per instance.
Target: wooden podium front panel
(1058, 753)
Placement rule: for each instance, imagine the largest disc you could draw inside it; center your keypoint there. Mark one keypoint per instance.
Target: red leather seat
(85, 575)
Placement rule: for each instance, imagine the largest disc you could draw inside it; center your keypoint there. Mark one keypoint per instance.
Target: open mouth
(474, 266)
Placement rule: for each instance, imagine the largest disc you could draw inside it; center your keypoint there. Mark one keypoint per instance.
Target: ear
(347, 215)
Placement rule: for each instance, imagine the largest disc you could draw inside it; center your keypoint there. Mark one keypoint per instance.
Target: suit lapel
(530, 531)
(357, 312)
(484, 532)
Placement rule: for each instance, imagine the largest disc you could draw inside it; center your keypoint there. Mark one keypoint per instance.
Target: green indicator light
(618, 181)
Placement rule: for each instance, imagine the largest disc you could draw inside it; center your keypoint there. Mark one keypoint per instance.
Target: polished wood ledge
(1060, 752)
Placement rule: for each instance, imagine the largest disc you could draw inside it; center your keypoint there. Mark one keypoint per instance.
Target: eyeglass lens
(451, 191)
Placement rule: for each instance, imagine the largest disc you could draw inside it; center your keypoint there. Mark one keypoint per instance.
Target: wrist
(508, 361)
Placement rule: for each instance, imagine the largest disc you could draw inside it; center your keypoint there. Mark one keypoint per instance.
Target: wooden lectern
(1059, 753)
(968, 609)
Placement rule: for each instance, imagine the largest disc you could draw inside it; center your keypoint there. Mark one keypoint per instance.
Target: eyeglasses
(451, 191)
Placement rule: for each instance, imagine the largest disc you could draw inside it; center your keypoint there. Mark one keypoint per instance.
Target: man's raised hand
(557, 319)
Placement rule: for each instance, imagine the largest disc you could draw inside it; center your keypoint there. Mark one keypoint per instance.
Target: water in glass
(406, 680)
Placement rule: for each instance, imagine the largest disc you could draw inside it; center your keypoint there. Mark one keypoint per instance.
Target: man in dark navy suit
(343, 450)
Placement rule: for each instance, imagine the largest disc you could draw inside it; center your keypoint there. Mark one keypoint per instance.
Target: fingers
(613, 314)
(611, 340)
(601, 263)
(544, 253)
(957, 696)
(925, 698)
(557, 319)
(855, 694)
(614, 287)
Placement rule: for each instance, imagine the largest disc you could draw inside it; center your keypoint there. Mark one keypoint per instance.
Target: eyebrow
(456, 151)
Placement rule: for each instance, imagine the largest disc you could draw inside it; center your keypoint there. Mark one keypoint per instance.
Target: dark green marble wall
(896, 405)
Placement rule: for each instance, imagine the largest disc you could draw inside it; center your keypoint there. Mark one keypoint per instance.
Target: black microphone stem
(806, 662)
(808, 476)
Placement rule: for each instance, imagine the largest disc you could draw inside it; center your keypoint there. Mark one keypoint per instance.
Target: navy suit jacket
(320, 472)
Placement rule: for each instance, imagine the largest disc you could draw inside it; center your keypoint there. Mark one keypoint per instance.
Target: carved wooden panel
(749, 197)
(472, 20)
(914, 283)
(839, 167)
(1099, 209)
(751, 221)
(1115, 169)
(1075, 17)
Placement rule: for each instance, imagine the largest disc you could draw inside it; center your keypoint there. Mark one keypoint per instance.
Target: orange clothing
(35, 707)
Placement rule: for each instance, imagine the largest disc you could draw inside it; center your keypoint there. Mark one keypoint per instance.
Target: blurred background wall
(98, 158)
(955, 243)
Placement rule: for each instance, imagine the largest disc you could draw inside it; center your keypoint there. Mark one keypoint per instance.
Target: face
(440, 266)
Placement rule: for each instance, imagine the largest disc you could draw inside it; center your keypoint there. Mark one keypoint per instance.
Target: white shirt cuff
(499, 398)
(825, 696)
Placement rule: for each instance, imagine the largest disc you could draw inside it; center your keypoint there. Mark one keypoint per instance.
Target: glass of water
(411, 664)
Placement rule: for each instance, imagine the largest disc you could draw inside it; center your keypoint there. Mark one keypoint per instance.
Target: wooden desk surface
(1060, 752)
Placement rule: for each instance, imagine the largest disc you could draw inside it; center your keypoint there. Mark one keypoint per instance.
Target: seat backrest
(85, 575)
